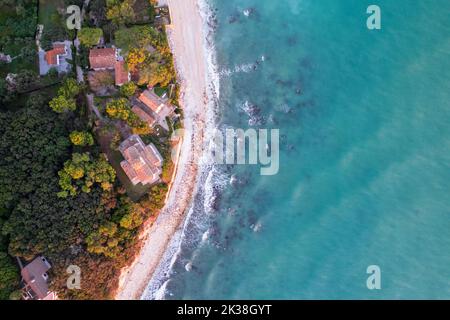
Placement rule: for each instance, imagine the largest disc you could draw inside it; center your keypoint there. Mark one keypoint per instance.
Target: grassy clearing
(48, 9)
(52, 17)
(17, 38)
(159, 91)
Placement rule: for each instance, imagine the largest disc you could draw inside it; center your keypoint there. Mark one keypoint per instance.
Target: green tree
(132, 220)
(33, 143)
(128, 89)
(137, 125)
(70, 88)
(120, 11)
(118, 109)
(9, 276)
(104, 240)
(139, 37)
(61, 104)
(25, 80)
(65, 100)
(33, 220)
(82, 172)
(6, 95)
(81, 138)
(90, 36)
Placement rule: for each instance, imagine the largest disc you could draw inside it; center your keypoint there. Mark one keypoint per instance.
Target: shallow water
(364, 158)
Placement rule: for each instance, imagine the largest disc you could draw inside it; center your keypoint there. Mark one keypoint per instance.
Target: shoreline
(186, 37)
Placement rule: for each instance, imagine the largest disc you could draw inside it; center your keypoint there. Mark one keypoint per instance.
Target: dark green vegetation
(54, 23)
(18, 20)
(95, 228)
(128, 24)
(62, 191)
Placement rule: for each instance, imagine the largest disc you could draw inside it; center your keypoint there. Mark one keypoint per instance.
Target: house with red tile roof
(143, 163)
(102, 58)
(55, 58)
(160, 107)
(109, 59)
(142, 112)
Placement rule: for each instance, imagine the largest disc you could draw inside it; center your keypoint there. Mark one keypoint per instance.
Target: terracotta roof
(142, 164)
(151, 100)
(153, 155)
(122, 75)
(143, 115)
(102, 58)
(51, 56)
(130, 172)
(35, 276)
(161, 108)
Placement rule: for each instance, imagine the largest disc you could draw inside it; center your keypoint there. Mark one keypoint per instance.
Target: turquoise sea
(364, 119)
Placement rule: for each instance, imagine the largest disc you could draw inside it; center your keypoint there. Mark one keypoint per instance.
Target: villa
(35, 278)
(158, 106)
(55, 58)
(143, 163)
(143, 113)
(109, 59)
(103, 58)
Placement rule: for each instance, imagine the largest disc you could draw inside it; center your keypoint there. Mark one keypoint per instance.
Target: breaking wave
(211, 181)
(241, 68)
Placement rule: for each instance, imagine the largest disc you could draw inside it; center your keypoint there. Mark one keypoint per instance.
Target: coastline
(186, 37)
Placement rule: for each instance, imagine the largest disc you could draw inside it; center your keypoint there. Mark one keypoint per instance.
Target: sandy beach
(186, 37)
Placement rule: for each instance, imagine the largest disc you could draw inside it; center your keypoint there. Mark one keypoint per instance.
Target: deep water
(364, 158)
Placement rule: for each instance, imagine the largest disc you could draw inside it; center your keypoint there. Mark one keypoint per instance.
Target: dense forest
(94, 229)
(59, 195)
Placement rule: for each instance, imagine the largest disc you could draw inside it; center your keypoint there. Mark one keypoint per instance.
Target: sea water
(364, 174)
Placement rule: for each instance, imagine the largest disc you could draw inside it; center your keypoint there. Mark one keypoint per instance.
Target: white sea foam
(209, 47)
(205, 236)
(242, 68)
(215, 182)
(256, 227)
(253, 113)
(161, 292)
(194, 221)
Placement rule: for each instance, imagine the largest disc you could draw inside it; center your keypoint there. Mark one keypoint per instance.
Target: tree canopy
(81, 138)
(34, 221)
(120, 11)
(90, 36)
(128, 89)
(65, 100)
(120, 109)
(82, 172)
